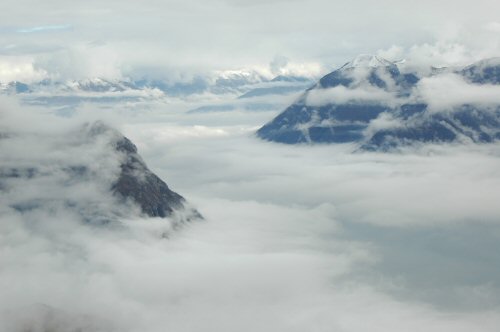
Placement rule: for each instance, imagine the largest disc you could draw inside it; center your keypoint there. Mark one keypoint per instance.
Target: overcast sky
(109, 38)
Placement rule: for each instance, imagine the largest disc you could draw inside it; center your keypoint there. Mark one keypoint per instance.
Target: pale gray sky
(111, 37)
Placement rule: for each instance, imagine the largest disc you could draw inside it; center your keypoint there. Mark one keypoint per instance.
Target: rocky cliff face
(138, 183)
(92, 173)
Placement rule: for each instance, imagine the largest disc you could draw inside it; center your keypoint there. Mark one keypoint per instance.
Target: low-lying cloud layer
(343, 95)
(446, 92)
(295, 238)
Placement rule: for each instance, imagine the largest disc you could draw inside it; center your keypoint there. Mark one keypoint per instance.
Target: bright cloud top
(447, 92)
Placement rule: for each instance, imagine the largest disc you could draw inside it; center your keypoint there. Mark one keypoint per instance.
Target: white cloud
(277, 242)
(19, 69)
(281, 65)
(493, 26)
(449, 91)
(383, 121)
(341, 94)
(393, 53)
(81, 61)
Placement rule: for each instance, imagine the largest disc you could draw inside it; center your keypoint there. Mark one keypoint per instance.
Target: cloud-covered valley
(294, 237)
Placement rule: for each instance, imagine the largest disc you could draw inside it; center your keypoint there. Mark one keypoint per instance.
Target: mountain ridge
(357, 97)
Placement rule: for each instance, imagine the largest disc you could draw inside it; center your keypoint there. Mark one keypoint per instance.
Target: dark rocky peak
(137, 183)
(93, 172)
(483, 72)
(126, 146)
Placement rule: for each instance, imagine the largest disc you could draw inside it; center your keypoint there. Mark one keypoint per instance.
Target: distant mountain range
(256, 97)
(234, 90)
(371, 102)
(229, 82)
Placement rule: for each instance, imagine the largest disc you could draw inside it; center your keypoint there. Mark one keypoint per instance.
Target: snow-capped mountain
(367, 61)
(371, 102)
(224, 82)
(234, 82)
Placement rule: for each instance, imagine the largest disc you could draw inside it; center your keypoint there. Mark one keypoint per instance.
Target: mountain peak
(489, 62)
(367, 60)
(484, 71)
(401, 116)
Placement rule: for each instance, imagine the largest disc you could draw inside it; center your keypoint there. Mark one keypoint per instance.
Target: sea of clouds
(295, 238)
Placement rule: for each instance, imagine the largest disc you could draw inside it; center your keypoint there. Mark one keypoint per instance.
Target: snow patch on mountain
(367, 60)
